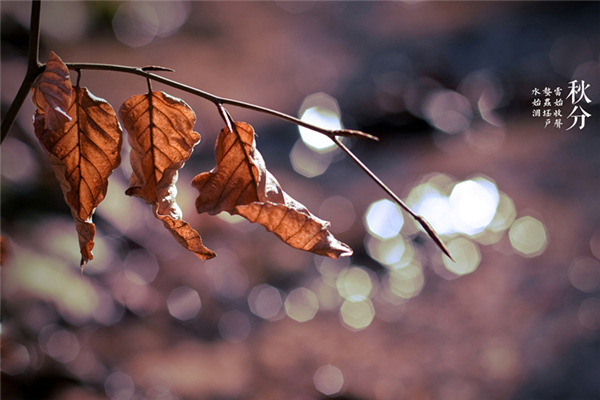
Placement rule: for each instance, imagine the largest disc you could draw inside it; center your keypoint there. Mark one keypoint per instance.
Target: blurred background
(448, 87)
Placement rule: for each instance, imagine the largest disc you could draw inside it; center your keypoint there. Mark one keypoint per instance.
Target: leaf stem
(226, 117)
(34, 68)
(428, 228)
(218, 100)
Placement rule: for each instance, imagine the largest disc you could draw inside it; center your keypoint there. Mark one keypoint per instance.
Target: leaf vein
(299, 230)
(226, 184)
(287, 210)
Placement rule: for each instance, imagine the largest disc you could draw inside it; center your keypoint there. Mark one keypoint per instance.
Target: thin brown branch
(216, 99)
(219, 102)
(34, 36)
(422, 221)
(34, 68)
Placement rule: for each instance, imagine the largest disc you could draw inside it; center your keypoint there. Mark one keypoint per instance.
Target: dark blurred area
(450, 90)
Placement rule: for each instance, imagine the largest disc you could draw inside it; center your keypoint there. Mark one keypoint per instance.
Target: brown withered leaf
(160, 131)
(52, 93)
(236, 177)
(83, 152)
(241, 184)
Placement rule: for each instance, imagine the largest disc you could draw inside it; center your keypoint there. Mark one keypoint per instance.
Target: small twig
(34, 68)
(218, 100)
(428, 228)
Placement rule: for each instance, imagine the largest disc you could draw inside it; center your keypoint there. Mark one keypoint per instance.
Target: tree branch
(428, 228)
(216, 99)
(34, 68)
(333, 134)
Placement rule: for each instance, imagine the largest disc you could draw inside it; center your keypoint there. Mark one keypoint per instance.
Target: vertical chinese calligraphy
(549, 108)
(576, 94)
(552, 116)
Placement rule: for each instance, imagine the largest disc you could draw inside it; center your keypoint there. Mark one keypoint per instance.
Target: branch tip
(434, 236)
(354, 133)
(156, 68)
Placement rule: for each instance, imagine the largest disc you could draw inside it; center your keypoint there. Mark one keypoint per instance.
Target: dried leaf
(241, 184)
(52, 93)
(83, 152)
(236, 177)
(161, 135)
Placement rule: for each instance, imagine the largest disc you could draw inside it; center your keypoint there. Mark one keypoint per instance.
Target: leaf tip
(347, 252)
(206, 255)
(82, 264)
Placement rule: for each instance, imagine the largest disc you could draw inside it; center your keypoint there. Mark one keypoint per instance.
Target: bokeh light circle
(473, 205)
(383, 219)
(265, 301)
(119, 386)
(584, 274)
(528, 236)
(322, 110)
(357, 315)
(406, 282)
(466, 256)
(328, 380)
(301, 304)
(354, 284)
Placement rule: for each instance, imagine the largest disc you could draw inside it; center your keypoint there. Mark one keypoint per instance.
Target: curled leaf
(241, 184)
(52, 93)
(160, 131)
(83, 152)
(296, 226)
(236, 177)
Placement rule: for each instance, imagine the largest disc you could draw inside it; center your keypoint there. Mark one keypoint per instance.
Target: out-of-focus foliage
(447, 86)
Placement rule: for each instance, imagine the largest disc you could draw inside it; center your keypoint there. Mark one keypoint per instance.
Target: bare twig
(216, 99)
(34, 36)
(34, 68)
(428, 228)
